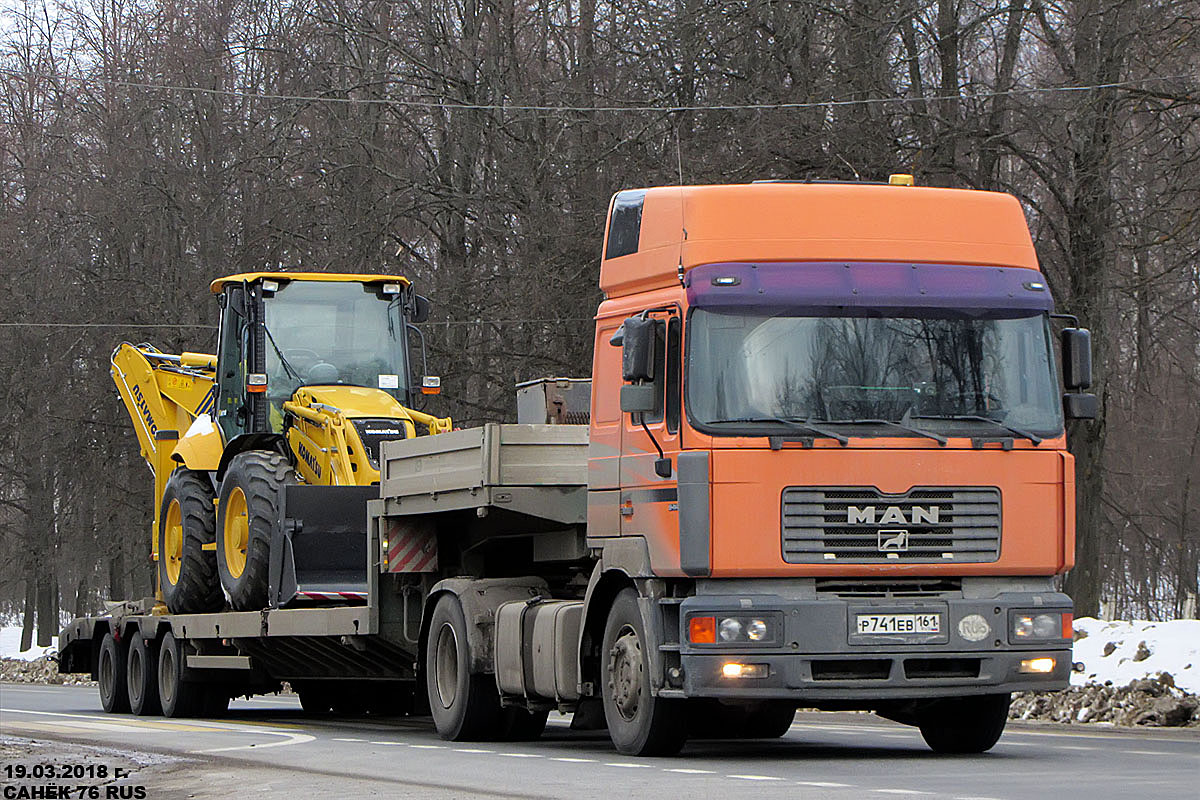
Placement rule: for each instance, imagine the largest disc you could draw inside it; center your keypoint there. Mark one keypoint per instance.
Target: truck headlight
(756, 630)
(1033, 626)
(764, 629)
(731, 630)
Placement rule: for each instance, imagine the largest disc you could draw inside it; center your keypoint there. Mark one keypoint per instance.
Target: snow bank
(1123, 652)
(10, 646)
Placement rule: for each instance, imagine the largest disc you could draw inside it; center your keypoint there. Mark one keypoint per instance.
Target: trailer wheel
(110, 675)
(962, 725)
(247, 516)
(179, 698)
(141, 670)
(465, 707)
(639, 723)
(187, 573)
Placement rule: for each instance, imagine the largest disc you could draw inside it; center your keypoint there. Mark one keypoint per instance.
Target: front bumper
(816, 654)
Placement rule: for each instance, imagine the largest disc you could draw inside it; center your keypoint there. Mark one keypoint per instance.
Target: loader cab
(282, 331)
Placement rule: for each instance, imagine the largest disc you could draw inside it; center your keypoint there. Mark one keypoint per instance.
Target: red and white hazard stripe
(411, 551)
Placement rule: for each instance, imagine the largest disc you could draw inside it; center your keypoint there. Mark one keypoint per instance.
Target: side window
(674, 374)
(660, 371)
(231, 376)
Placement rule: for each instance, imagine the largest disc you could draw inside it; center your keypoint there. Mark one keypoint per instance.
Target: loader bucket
(320, 547)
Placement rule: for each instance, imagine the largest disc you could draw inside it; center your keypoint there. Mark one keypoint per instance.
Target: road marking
(292, 738)
(627, 765)
(471, 750)
(347, 739)
(428, 746)
(1073, 747)
(754, 777)
(519, 755)
(570, 760)
(1146, 753)
(826, 784)
(687, 771)
(397, 744)
(974, 797)
(899, 791)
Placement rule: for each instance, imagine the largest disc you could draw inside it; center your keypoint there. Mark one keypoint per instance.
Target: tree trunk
(30, 605)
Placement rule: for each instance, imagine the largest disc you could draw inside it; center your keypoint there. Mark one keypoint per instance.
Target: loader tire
(187, 573)
(247, 518)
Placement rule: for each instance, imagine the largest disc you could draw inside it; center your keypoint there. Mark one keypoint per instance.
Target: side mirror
(637, 349)
(420, 309)
(1077, 358)
(638, 398)
(1080, 405)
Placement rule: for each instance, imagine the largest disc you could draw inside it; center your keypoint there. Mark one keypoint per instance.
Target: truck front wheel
(962, 725)
(639, 723)
(247, 516)
(465, 707)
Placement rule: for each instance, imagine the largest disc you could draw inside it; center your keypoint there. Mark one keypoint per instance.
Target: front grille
(870, 588)
(926, 525)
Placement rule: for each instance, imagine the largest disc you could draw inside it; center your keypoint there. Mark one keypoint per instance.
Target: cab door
(649, 501)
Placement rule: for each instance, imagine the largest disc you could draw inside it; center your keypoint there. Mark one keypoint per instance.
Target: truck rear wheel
(141, 670)
(465, 707)
(962, 725)
(187, 573)
(247, 517)
(110, 676)
(639, 723)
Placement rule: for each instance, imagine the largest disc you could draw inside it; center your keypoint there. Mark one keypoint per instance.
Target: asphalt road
(267, 748)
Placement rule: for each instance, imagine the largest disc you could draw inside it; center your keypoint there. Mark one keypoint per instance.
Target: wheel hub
(626, 672)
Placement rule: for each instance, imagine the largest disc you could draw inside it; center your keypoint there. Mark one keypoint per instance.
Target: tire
(964, 725)
(187, 573)
(639, 723)
(111, 676)
(247, 518)
(465, 707)
(769, 720)
(179, 698)
(315, 698)
(141, 669)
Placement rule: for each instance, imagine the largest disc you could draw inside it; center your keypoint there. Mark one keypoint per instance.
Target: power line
(451, 104)
(122, 325)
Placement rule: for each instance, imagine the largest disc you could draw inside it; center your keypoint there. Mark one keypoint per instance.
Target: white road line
(471, 750)
(627, 765)
(1146, 753)
(520, 755)
(826, 784)
(974, 797)
(428, 746)
(1073, 747)
(570, 760)
(754, 777)
(397, 744)
(686, 771)
(347, 739)
(293, 738)
(899, 791)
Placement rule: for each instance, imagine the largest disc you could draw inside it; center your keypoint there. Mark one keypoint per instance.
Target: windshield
(751, 370)
(334, 333)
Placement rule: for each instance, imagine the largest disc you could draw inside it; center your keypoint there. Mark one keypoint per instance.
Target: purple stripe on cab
(821, 288)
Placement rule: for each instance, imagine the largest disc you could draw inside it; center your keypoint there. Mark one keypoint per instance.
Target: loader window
(333, 333)
(231, 368)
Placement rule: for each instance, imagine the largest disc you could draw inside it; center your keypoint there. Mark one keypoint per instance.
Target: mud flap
(320, 546)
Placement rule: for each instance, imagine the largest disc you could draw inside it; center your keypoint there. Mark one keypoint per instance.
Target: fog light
(1037, 665)
(733, 670)
(730, 629)
(756, 630)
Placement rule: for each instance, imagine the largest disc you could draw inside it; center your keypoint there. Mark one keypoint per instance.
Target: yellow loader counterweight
(265, 453)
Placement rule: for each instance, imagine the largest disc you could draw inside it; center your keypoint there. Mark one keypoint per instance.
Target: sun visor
(870, 288)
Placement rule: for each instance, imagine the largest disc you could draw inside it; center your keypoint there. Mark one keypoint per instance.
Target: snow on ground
(1134, 650)
(1126, 651)
(10, 646)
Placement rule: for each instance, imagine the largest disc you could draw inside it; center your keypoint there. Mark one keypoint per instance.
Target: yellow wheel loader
(265, 454)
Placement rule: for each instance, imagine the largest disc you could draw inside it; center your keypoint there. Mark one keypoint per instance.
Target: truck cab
(827, 423)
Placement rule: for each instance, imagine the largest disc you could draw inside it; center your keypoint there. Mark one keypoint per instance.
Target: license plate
(899, 623)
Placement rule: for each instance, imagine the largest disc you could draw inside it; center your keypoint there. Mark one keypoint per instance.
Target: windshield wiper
(794, 424)
(976, 418)
(288, 368)
(942, 440)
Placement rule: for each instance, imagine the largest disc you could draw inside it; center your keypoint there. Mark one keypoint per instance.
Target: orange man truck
(825, 466)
